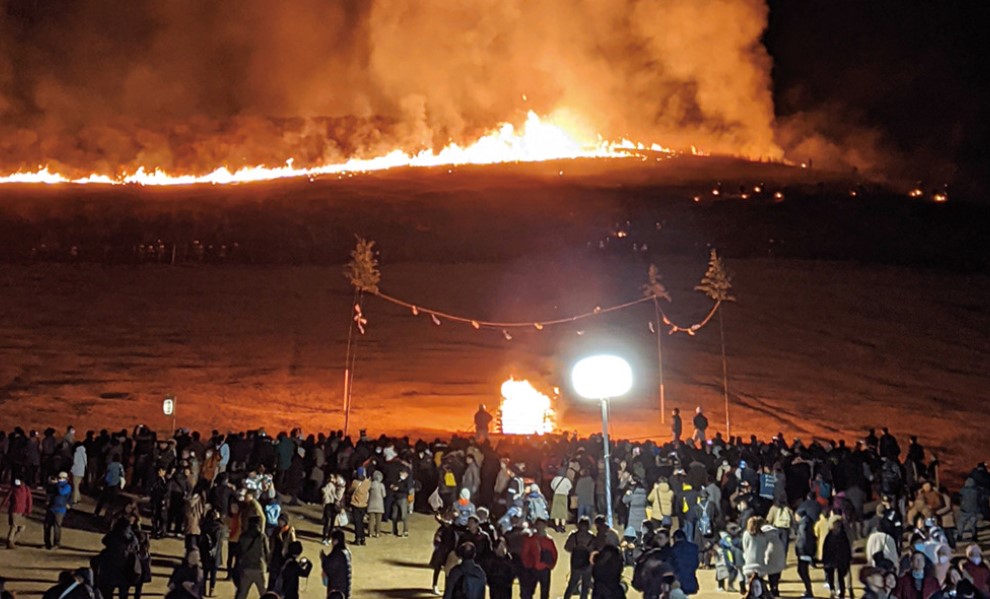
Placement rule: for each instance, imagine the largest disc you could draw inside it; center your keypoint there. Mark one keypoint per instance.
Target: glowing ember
(524, 410)
(537, 140)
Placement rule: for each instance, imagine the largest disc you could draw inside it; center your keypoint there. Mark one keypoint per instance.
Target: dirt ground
(388, 567)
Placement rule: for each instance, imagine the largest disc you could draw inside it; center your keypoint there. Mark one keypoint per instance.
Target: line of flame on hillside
(538, 139)
(524, 410)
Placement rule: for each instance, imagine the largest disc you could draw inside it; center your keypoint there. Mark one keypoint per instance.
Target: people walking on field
(19, 504)
(59, 491)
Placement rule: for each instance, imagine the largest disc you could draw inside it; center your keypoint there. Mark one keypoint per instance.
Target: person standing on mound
(700, 426)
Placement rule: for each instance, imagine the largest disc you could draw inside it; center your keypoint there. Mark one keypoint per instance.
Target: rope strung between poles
(365, 276)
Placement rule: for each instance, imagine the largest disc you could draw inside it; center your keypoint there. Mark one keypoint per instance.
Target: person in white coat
(78, 471)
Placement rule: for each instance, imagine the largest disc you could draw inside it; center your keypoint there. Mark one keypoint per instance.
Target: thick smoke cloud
(188, 85)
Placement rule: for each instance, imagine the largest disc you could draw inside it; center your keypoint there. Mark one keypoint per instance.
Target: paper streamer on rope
(364, 274)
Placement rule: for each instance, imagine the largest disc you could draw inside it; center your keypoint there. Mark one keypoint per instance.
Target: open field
(828, 335)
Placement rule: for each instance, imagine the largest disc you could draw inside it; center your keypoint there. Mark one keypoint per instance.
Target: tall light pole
(602, 378)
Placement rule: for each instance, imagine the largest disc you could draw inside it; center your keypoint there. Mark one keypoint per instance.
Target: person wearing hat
(20, 504)
(58, 492)
(463, 509)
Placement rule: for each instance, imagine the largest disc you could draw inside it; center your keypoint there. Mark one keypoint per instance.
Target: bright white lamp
(601, 378)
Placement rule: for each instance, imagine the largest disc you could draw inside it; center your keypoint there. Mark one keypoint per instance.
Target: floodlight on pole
(602, 378)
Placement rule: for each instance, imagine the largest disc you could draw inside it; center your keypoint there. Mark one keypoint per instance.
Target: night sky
(914, 72)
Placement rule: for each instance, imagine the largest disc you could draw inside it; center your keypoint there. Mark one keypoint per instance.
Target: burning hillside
(536, 141)
(224, 92)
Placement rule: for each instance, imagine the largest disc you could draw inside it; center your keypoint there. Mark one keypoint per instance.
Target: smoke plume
(186, 85)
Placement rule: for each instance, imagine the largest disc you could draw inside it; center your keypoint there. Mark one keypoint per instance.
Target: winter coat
(662, 500)
(969, 498)
(539, 553)
(20, 500)
(905, 587)
(980, 574)
(579, 545)
(79, 462)
(637, 501)
(607, 575)
(360, 491)
(210, 536)
(376, 494)
(805, 543)
(116, 561)
(836, 552)
(685, 563)
(337, 570)
(822, 528)
(585, 491)
(292, 571)
(252, 550)
(186, 582)
(776, 552)
(195, 509)
(754, 553)
(58, 497)
(466, 581)
(882, 543)
(471, 480)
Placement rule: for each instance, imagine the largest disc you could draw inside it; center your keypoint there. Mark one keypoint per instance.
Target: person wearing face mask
(943, 555)
(917, 582)
(977, 569)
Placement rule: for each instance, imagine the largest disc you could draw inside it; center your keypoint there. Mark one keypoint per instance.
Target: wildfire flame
(524, 410)
(537, 140)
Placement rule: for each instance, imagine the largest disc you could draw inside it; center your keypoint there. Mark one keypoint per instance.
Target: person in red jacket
(977, 569)
(918, 582)
(539, 556)
(20, 502)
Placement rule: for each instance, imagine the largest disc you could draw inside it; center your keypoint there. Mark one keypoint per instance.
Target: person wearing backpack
(466, 580)
(781, 517)
(539, 556)
(704, 514)
(252, 556)
(579, 545)
(113, 482)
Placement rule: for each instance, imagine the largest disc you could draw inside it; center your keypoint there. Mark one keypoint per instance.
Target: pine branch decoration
(653, 286)
(716, 283)
(362, 270)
